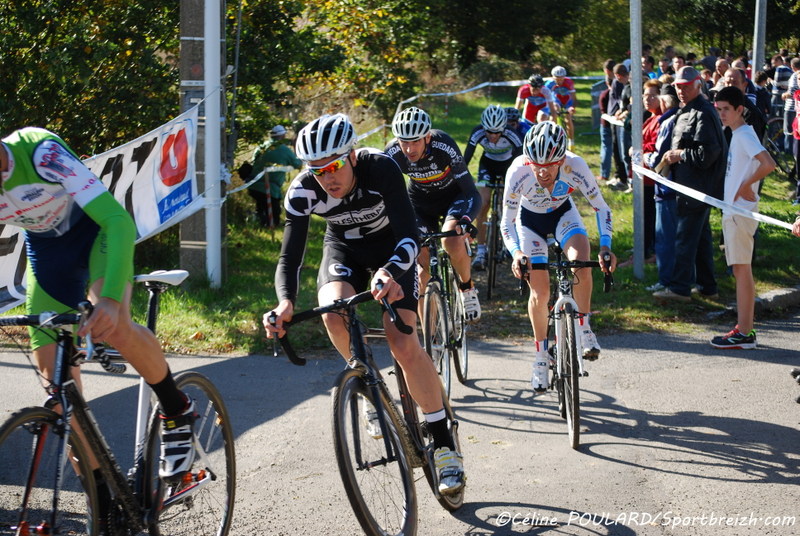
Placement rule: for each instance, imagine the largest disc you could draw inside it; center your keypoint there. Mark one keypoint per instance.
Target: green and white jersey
(46, 190)
(46, 183)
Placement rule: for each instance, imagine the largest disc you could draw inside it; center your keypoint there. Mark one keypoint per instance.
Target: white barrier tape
(371, 132)
(613, 120)
(713, 201)
(487, 84)
(259, 176)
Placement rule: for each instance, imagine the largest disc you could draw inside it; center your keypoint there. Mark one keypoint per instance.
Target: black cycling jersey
(508, 146)
(439, 176)
(377, 210)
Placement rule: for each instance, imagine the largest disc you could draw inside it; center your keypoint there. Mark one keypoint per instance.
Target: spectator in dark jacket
(697, 156)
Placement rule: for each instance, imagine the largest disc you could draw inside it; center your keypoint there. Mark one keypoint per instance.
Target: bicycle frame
(559, 312)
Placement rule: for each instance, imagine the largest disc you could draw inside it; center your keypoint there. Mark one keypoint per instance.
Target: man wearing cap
(274, 152)
(697, 156)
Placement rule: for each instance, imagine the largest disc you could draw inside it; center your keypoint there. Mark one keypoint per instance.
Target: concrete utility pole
(637, 112)
(759, 35)
(201, 249)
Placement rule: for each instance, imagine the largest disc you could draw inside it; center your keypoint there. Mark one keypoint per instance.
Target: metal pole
(759, 33)
(637, 112)
(213, 149)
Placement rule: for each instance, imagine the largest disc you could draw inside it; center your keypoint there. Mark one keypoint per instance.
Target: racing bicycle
(444, 327)
(566, 356)
(496, 251)
(377, 467)
(772, 141)
(50, 488)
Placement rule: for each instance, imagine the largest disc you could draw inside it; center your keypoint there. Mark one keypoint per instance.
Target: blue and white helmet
(329, 135)
(545, 143)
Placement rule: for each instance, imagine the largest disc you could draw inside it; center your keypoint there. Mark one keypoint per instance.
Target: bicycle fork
(567, 311)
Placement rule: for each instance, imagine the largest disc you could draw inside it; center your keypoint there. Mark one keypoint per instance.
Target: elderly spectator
(697, 156)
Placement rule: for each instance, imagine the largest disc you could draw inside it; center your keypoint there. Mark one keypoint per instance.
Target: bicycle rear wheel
(570, 374)
(376, 473)
(202, 503)
(436, 332)
(31, 445)
(459, 326)
(774, 132)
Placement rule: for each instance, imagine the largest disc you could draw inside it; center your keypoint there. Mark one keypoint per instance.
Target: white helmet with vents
(329, 135)
(545, 143)
(494, 118)
(411, 124)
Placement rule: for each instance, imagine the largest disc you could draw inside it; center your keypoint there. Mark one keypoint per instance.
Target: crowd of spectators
(684, 140)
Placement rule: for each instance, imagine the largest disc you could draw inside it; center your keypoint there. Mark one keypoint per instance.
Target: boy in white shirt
(748, 163)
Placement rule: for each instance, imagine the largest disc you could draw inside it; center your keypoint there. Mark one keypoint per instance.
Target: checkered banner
(153, 177)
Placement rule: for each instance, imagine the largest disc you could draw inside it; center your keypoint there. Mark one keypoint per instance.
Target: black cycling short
(431, 211)
(492, 171)
(355, 262)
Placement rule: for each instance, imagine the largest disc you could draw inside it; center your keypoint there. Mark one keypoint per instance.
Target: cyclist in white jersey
(537, 203)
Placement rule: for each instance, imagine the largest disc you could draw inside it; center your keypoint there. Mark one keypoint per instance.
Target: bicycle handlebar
(52, 320)
(341, 303)
(608, 280)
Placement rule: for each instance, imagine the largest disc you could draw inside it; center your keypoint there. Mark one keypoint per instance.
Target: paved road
(671, 428)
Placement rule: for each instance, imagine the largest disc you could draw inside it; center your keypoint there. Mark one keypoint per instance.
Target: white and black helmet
(411, 124)
(545, 143)
(329, 135)
(494, 118)
(558, 71)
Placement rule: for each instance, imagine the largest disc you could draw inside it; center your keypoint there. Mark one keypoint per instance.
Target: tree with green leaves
(97, 73)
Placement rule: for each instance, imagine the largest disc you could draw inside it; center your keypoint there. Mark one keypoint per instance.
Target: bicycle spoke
(375, 472)
(32, 439)
(202, 503)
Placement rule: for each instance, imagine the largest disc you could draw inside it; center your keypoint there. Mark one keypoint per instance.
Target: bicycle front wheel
(436, 333)
(570, 374)
(493, 252)
(459, 328)
(376, 472)
(202, 503)
(32, 445)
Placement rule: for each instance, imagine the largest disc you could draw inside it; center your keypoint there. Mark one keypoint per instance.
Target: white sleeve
(54, 163)
(511, 200)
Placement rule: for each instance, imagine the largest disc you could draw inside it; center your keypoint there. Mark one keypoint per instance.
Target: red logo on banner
(174, 158)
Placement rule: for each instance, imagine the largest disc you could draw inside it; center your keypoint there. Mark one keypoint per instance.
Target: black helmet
(536, 80)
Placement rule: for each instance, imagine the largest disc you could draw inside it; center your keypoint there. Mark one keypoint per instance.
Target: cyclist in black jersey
(371, 237)
(500, 146)
(440, 187)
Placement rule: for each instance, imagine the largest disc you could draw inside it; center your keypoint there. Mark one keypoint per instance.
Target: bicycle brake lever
(608, 280)
(284, 341)
(523, 266)
(402, 327)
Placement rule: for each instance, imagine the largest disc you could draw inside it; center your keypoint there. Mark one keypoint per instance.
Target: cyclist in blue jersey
(500, 146)
(537, 202)
(513, 122)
